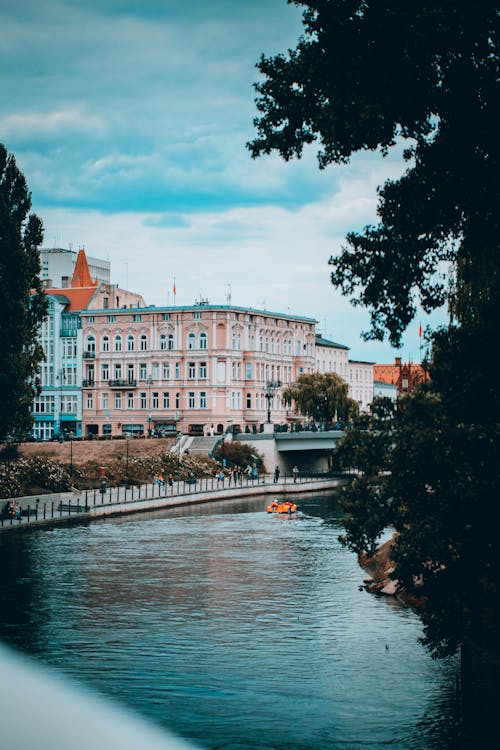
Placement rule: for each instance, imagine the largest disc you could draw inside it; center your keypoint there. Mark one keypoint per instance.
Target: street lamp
(127, 438)
(271, 388)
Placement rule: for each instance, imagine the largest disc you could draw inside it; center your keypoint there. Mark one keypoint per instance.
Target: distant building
(404, 376)
(334, 357)
(58, 266)
(57, 411)
(384, 390)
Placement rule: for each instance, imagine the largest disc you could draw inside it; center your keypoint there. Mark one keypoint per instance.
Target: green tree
(370, 73)
(367, 75)
(321, 396)
(22, 302)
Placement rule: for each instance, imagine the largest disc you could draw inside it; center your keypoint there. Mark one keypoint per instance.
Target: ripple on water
(231, 627)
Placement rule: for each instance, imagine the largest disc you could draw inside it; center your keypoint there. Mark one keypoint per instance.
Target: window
(118, 372)
(203, 370)
(249, 370)
(44, 405)
(118, 400)
(236, 341)
(143, 400)
(177, 400)
(105, 344)
(166, 316)
(130, 373)
(91, 344)
(155, 401)
(203, 340)
(163, 341)
(105, 303)
(106, 429)
(104, 401)
(156, 370)
(177, 370)
(144, 342)
(197, 315)
(90, 401)
(191, 401)
(191, 370)
(249, 400)
(90, 318)
(142, 371)
(130, 400)
(191, 341)
(111, 318)
(203, 399)
(118, 343)
(130, 343)
(170, 341)
(105, 372)
(166, 400)
(166, 370)
(137, 318)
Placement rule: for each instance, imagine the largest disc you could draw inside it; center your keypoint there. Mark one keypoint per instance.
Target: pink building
(193, 368)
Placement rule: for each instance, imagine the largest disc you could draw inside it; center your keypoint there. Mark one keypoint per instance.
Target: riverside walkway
(70, 507)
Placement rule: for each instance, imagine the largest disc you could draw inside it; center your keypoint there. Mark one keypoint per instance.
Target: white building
(334, 357)
(58, 266)
(385, 390)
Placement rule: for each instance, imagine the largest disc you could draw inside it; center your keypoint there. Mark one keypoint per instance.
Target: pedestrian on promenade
(276, 474)
(295, 472)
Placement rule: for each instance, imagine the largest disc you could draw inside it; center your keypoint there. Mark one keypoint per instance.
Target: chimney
(398, 361)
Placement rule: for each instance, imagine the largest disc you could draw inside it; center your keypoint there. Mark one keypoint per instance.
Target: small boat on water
(286, 507)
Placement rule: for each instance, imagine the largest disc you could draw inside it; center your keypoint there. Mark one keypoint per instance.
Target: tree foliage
(22, 302)
(370, 73)
(321, 396)
(367, 75)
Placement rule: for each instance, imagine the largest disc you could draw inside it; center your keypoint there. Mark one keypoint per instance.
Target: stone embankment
(84, 506)
(380, 568)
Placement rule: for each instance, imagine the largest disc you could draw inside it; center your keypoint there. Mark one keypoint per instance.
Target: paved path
(86, 505)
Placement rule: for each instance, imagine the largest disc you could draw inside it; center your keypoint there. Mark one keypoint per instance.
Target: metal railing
(85, 500)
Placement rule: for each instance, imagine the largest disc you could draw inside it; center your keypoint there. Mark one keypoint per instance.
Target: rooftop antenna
(228, 295)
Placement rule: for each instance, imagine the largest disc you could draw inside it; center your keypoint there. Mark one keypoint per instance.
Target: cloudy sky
(130, 120)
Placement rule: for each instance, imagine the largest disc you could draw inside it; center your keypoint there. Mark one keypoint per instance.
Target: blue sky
(130, 120)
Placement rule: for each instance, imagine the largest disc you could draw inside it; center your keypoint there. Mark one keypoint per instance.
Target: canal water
(233, 628)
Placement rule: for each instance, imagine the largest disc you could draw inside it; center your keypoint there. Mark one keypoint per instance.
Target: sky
(129, 121)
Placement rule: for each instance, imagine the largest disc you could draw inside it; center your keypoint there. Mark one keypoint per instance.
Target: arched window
(130, 343)
(203, 340)
(118, 343)
(170, 340)
(105, 344)
(163, 341)
(144, 342)
(91, 344)
(191, 341)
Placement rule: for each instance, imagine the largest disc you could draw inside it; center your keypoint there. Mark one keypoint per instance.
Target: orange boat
(286, 507)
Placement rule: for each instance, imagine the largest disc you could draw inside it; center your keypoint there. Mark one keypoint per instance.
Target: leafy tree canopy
(366, 74)
(22, 302)
(321, 396)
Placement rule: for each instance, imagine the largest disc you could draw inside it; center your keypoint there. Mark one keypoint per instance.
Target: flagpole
(175, 291)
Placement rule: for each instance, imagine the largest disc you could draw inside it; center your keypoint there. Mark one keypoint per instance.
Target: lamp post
(71, 436)
(149, 383)
(127, 438)
(271, 388)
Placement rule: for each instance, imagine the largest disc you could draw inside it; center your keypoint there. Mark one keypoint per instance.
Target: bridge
(307, 440)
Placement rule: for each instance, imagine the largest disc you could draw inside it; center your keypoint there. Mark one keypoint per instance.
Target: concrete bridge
(307, 440)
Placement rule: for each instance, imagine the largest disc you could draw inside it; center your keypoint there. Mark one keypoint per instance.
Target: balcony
(122, 383)
(89, 355)
(88, 383)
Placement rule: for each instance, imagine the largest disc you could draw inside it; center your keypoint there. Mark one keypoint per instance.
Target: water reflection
(230, 626)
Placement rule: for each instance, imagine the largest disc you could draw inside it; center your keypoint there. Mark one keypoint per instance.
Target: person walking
(276, 474)
(295, 472)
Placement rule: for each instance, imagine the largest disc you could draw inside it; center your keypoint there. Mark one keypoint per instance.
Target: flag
(175, 290)
(419, 330)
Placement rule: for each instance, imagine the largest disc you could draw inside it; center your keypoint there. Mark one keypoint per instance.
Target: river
(231, 627)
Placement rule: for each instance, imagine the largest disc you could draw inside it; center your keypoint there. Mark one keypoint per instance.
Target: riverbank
(74, 507)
